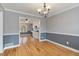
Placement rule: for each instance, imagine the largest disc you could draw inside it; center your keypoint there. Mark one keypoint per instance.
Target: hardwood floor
(33, 47)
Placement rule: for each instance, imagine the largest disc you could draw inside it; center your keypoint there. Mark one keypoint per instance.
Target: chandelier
(44, 11)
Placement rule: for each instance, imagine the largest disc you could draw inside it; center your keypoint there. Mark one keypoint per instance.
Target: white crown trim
(11, 34)
(66, 9)
(11, 10)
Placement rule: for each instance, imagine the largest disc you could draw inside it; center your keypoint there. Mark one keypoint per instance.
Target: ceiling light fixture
(44, 11)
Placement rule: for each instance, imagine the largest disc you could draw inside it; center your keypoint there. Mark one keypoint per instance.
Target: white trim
(11, 47)
(64, 33)
(11, 34)
(72, 49)
(6, 9)
(66, 9)
(43, 31)
(21, 17)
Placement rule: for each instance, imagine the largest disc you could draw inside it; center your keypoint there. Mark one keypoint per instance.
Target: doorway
(28, 27)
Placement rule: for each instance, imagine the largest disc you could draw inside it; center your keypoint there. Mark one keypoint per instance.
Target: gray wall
(43, 25)
(11, 22)
(66, 22)
(11, 25)
(63, 39)
(1, 28)
(43, 28)
(1, 8)
(10, 40)
(64, 27)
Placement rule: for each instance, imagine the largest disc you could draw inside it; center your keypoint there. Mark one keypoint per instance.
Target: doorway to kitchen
(28, 27)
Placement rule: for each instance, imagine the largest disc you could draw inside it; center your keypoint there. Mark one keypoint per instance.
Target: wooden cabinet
(36, 35)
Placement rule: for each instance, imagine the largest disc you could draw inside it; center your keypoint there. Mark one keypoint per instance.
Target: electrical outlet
(67, 43)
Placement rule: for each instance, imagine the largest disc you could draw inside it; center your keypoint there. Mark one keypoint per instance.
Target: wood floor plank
(33, 47)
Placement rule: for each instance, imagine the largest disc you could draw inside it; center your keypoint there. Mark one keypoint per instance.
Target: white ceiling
(32, 7)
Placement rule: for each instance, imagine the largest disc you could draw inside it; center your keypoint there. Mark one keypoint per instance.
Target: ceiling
(32, 7)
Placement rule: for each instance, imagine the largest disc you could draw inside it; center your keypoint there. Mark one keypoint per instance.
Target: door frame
(20, 17)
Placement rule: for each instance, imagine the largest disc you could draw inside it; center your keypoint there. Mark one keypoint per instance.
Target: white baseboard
(11, 47)
(72, 49)
(1, 51)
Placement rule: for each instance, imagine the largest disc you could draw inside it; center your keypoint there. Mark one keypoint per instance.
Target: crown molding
(64, 10)
(25, 13)
(10, 34)
(11, 10)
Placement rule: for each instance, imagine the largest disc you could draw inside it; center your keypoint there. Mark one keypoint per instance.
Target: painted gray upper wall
(11, 22)
(43, 25)
(66, 22)
(1, 8)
